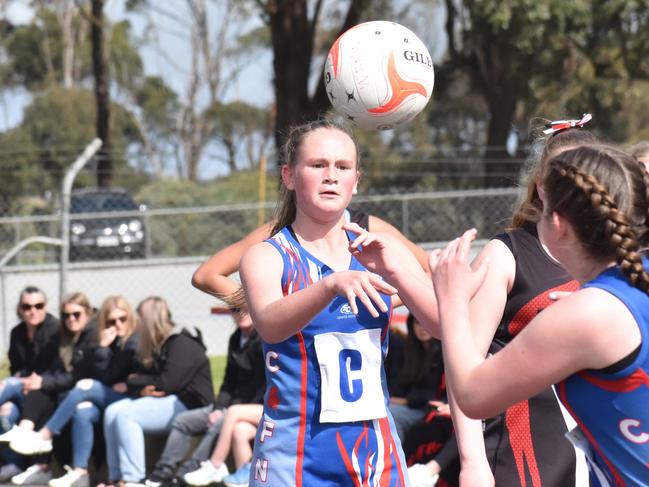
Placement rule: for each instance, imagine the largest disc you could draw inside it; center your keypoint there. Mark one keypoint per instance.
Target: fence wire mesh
(119, 247)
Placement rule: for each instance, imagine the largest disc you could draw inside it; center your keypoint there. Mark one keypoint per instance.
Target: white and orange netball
(379, 75)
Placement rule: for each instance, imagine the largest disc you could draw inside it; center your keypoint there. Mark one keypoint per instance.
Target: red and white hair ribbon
(559, 125)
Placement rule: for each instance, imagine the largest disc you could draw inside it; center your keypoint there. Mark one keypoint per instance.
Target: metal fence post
(90, 150)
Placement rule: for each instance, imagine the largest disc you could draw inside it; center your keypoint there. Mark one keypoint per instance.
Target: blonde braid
(617, 229)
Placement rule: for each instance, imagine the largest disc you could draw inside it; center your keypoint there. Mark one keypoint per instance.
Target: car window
(90, 203)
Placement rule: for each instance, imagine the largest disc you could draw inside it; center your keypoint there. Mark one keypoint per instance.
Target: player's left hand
(378, 252)
(453, 278)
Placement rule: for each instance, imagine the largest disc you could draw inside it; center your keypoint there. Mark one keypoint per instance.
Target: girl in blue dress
(324, 323)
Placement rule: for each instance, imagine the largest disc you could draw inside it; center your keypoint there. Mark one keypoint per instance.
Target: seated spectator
(238, 430)
(77, 339)
(421, 413)
(33, 347)
(113, 360)
(243, 382)
(177, 378)
(419, 379)
(431, 449)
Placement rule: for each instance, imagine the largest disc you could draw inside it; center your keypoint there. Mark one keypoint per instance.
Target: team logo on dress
(345, 312)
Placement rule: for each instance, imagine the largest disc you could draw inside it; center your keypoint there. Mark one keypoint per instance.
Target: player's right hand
(361, 285)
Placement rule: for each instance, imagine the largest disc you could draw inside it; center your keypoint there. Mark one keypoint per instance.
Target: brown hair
(531, 208)
(641, 149)
(604, 194)
(117, 302)
(286, 211)
(79, 299)
(155, 326)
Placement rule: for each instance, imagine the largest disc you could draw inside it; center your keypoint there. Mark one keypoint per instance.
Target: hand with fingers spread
(376, 251)
(363, 286)
(453, 277)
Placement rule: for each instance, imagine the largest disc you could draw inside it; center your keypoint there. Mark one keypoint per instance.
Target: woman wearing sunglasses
(111, 363)
(33, 346)
(77, 340)
(176, 377)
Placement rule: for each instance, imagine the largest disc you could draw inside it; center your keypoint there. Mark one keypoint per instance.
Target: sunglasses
(27, 307)
(76, 314)
(113, 322)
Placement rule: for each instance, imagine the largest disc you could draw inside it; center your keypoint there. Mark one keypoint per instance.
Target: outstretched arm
(486, 310)
(390, 258)
(571, 335)
(376, 225)
(278, 317)
(212, 276)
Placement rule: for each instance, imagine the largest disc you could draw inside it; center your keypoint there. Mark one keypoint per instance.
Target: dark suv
(105, 236)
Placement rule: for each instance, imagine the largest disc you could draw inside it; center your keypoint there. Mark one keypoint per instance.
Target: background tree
(102, 94)
(293, 39)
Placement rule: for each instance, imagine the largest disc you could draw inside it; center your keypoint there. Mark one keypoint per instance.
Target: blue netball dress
(326, 420)
(612, 409)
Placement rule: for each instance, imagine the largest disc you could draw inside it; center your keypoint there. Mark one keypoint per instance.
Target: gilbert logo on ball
(379, 75)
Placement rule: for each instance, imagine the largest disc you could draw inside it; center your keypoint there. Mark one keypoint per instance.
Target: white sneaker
(34, 475)
(72, 478)
(207, 474)
(30, 443)
(421, 477)
(7, 436)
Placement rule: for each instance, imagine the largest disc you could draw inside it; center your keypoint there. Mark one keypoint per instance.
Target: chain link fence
(117, 247)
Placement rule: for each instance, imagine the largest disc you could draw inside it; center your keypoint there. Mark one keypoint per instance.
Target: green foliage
(57, 125)
(193, 234)
(124, 58)
(217, 364)
(158, 102)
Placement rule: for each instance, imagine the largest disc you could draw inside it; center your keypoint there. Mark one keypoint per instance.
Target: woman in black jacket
(109, 366)
(177, 378)
(77, 340)
(33, 347)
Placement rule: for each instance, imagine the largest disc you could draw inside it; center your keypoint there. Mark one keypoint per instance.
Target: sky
(253, 85)
(167, 58)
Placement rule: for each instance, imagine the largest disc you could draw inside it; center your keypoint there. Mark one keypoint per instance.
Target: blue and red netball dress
(611, 405)
(326, 420)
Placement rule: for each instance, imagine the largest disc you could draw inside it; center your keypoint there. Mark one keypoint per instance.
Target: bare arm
(486, 310)
(212, 276)
(389, 257)
(571, 335)
(377, 225)
(278, 317)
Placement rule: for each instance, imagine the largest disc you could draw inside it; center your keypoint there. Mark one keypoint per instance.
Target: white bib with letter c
(350, 374)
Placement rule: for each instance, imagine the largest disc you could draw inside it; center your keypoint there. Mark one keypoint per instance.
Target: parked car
(105, 236)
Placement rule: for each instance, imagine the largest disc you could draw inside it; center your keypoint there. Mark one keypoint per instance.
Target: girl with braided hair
(525, 444)
(594, 344)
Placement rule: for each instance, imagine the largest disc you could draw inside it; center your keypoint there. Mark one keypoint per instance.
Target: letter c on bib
(637, 437)
(350, 360)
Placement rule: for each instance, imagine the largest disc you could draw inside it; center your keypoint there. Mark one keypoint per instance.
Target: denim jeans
(11, 391)
(82, 405)
(125, 423)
